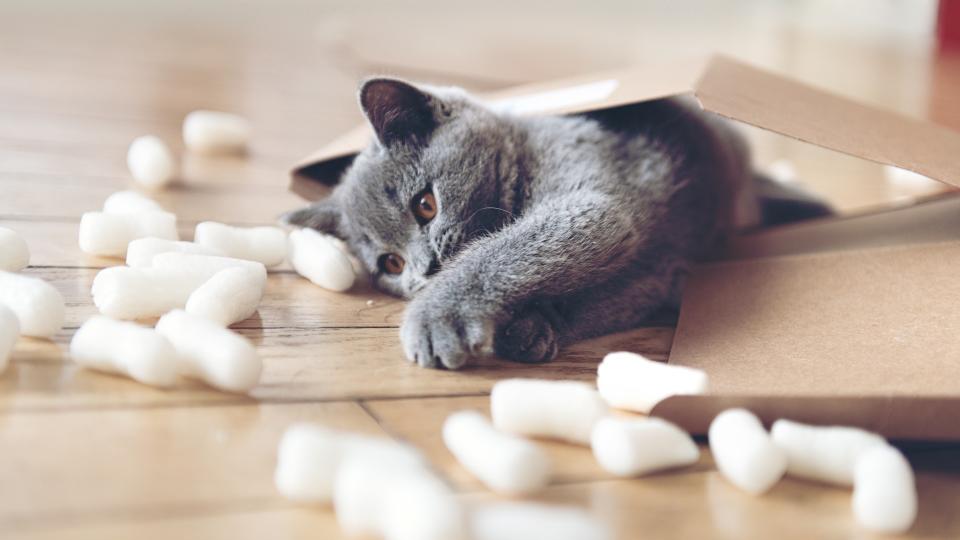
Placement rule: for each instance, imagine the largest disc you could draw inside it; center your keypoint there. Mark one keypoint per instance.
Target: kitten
(518, 236)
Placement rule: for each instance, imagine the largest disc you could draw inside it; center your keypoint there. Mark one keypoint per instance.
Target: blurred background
(79, 79)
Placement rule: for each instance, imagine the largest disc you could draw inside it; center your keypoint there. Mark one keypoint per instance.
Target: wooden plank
(109, 166)
(308, 364)
(289, 301)
(697, 504)
(258, 522)
(111, 462)
(420, 421)
(35, 197)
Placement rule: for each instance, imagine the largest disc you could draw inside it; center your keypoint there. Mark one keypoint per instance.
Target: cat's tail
(783, 200)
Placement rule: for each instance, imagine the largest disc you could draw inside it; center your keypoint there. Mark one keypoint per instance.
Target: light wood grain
(305, 364)
(289, 301)
(420, 422)
(58, 466)
(260, 520)
(34, 197)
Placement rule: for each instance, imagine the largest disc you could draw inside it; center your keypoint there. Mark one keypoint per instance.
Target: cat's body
(537, 232)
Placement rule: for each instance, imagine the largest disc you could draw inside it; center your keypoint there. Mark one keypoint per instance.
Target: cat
(518, 236)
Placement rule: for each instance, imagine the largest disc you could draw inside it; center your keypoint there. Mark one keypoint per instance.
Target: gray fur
(550, 230)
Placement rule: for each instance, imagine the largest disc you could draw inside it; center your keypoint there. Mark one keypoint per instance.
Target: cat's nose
(434, 267)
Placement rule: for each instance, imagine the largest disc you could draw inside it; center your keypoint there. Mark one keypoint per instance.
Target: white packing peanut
(230, 296)
(122, 292)
(214, 354)
(309, 456)
(744, 452)
(505, 463)
(630, 381)
(128, 293)
(371, 497)
(9, 332)
(126, 202)
(138, 352)
(634, 447)
(316, 257)
(884, 490)
(38, 305)
(526, 521)
(206, 265)
(141, 251)
(214, 132)
(824, 453)
(109, 234)
(14, 253)
(267, 245)
(565, 410)
(150, 162)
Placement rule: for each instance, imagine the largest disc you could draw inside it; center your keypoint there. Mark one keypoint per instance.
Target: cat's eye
(424, 206)
(391, 263)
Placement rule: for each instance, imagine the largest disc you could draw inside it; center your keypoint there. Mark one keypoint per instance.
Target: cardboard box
(850, 321)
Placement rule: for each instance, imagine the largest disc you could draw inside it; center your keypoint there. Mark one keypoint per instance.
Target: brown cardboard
(848, 321)
(877, 324)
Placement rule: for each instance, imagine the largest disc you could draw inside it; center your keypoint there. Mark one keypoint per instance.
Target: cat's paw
(443, 333)
(529, 337)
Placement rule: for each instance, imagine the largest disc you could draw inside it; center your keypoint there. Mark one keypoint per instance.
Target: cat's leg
(539, 330)
(559, 248)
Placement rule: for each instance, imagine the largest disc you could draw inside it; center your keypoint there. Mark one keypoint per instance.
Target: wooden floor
(88, 456)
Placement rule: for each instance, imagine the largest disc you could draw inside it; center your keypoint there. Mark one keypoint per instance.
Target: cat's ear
(399, 112)
(324, 216)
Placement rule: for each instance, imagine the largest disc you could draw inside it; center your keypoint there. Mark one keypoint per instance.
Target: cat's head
(427, 185)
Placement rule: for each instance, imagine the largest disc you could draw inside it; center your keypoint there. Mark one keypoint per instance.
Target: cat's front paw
(444, 333)
(530, 337)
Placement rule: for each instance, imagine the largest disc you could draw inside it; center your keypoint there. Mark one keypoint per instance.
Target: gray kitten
(518, 236)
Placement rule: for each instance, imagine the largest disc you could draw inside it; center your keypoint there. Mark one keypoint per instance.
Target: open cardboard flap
(849, 321)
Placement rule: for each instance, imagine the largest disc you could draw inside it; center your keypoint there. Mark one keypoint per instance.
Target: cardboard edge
(783, 105)
(894, 416)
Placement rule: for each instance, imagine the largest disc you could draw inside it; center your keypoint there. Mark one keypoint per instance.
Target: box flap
(877, 325)
(778, 104)
(723, 86)
(570, 95)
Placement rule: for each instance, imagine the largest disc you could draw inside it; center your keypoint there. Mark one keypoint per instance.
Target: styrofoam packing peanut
(355, 263)
(122, 292)
(9, 332)
(209, 352)
(141, 251)
(824, 453)
(744, 452)
(126, 202)
(128, 293)
(630, 381)
(126, 348)
(231, 295)
(214, 132)
(109, 234)
(317, 258)
(504, 463)
(371, 497)
(267, 245)
(526, 521)
(14, 253)
(206, 265)
(884, 490)
(634, 447)
(150, 162)
(565, 410)
(309, 456)
(38, 305)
